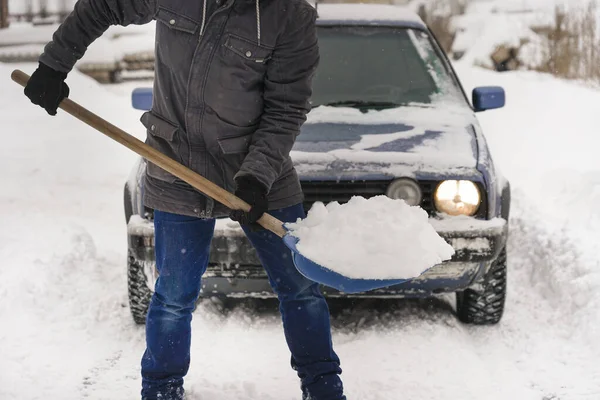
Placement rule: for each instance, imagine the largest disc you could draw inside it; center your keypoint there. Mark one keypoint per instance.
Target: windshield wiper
(364, 104)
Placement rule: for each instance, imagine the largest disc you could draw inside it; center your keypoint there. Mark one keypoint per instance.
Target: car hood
(416, 141)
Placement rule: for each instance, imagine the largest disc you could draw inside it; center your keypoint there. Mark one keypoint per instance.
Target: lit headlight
(457, 198)
(407, 190)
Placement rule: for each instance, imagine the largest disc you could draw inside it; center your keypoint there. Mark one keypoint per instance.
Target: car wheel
(485, 306)
(138, 290)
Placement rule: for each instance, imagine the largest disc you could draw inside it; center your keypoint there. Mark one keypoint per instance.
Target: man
(231, 90)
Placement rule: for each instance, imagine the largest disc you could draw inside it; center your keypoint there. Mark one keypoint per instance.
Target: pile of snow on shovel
(376, 238)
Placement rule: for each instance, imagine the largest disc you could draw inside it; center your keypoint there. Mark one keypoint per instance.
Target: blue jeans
(182, 250)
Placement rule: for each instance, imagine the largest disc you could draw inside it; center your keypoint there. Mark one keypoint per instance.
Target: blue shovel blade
(325, 276)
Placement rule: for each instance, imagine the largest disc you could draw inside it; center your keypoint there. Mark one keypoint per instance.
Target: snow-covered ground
(66, 332)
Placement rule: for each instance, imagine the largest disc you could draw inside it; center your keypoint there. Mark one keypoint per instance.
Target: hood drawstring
(203, 19)
(258, 21)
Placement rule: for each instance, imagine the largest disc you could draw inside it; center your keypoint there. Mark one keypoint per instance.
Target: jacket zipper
(226, 6)
(209, 202)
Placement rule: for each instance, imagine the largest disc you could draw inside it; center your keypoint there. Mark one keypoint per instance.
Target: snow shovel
(306, 267)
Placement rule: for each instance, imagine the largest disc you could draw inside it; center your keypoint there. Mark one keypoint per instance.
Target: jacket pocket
(230, 137)
(176, 21)
(242, 64)
(234, 151)
(248, 49)
(161, 135)
(158, 126)
(176, 40)
(235, 145)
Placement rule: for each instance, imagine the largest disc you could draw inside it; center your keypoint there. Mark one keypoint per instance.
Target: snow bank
(480, 34)
(546, 142)
(378, 238)
(64, 242)
(490, 23)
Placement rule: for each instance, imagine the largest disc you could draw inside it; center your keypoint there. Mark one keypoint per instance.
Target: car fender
(494, 181)
(133, 192)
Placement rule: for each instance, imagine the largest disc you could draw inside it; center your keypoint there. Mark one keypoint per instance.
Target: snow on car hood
(416, 139)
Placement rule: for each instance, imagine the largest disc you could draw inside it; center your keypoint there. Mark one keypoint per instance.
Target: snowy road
(66, 332)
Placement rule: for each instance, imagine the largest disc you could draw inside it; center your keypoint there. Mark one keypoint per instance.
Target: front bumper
(235, 270)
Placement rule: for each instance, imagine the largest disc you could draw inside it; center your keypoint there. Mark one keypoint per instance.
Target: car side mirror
(488, 98)
(141, 99)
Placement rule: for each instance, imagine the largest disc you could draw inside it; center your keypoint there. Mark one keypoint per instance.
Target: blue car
(389, 118)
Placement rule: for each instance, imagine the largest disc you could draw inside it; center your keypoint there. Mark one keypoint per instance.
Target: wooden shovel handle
(196, 180)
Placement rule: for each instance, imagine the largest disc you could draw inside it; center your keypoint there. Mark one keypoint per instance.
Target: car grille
(342, 191)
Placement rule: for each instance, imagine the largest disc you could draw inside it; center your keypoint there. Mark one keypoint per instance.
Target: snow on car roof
(368, 13)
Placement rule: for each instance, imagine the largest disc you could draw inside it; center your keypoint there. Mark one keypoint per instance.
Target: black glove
(47, 88)
(249, 189)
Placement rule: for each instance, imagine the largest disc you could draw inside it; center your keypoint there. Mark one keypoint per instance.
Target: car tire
(138, 290)
(127, 203)
(485, 306)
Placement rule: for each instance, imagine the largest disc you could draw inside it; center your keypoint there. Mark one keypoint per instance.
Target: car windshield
(379, 67)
